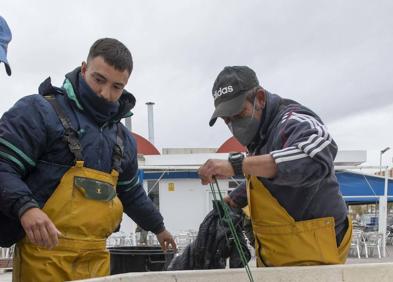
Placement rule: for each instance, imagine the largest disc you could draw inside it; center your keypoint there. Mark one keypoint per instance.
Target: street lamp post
(383, 204)
(380, 158)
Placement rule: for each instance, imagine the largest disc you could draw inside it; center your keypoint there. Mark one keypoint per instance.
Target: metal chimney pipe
(150, 120)
(129, 123)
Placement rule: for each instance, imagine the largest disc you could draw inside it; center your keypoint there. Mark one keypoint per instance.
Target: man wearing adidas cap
(298, 214)
(5, 38)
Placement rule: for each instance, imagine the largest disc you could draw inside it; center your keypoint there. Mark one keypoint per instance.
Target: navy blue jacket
(34, 156)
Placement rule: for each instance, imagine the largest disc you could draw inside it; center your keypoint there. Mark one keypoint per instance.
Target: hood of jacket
(273, 104)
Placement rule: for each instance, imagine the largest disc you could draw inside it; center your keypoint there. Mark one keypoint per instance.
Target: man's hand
(39, 228)
(215, 168)
(230, 202)
(165, 239)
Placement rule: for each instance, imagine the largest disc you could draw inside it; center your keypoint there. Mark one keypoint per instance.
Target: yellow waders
(85, 224)
(282, 241)
(86, 210)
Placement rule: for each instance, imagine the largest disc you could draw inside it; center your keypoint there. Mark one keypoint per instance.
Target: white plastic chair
(389, 238)
(357, 241)
(373, 241)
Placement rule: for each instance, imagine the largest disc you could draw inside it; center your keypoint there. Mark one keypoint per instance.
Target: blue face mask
(244, 129)
(97, 107)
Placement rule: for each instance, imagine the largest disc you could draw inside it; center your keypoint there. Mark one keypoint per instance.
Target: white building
(172, 182)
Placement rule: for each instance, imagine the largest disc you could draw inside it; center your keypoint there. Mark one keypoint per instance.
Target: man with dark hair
(115, 54)
(68, 170)
(298, 214)
(5, 38)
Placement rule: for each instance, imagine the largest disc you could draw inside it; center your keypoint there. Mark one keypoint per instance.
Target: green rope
(226, 218)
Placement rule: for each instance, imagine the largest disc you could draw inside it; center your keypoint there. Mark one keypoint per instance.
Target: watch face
(236, 156)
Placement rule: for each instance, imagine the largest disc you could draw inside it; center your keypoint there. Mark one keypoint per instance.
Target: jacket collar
(71, 84)
(272, 106)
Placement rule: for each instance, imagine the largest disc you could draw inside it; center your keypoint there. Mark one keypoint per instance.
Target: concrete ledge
(379, 272)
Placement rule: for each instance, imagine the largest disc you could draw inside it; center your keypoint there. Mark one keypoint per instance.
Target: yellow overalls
(282, 241)
(86, 210)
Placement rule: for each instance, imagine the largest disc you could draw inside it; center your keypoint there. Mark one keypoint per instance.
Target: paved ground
(5, 277)
(372, 259)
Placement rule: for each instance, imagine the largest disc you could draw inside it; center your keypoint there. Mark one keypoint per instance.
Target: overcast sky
(335, 57)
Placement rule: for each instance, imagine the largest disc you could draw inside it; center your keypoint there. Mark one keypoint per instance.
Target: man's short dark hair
(113, 52)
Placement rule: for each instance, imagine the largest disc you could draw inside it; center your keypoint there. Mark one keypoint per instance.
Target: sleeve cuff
(159, 229)
(29, 205)
(239, 196)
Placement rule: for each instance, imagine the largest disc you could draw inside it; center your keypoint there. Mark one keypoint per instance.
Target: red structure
(144, 147)
(231, 145)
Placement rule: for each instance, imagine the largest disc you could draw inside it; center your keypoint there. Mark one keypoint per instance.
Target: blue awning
(360, 188)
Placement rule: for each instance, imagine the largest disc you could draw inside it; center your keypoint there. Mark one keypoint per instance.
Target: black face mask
(244, 129)
(97, 107)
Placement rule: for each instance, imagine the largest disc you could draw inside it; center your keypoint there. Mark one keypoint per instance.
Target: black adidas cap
(230, 89)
